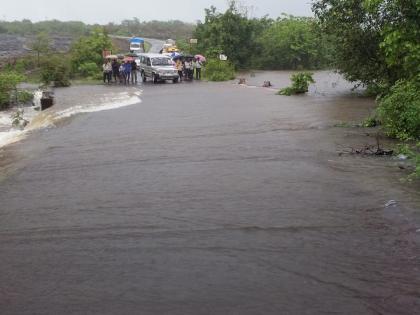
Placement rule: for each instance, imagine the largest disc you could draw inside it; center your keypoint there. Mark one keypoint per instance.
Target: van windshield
(161, 62)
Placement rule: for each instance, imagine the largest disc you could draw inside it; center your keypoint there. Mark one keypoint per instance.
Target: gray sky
(103, 11)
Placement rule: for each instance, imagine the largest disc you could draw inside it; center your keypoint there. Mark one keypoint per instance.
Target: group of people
(187, 67)
(120, 72)
(127, 70)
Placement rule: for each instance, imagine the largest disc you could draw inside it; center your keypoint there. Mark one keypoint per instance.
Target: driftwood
(369, 150)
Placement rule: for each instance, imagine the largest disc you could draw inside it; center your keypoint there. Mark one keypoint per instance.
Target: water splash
(48, 118)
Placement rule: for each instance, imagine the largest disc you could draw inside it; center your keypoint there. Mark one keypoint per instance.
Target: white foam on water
(40, 120)
(107, 103)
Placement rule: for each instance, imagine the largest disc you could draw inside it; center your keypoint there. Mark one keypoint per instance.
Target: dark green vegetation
(285, 43)
(8, 88)
(217, 70)
(300, 84)
(87, 51)
(153, 29)
(377, 43)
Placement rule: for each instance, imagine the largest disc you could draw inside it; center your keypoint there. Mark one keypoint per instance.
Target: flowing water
(206, 198)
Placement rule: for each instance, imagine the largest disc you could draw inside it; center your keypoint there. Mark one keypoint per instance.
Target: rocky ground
(15, 46)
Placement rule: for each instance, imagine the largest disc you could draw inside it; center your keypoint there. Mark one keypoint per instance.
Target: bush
(399, 111)
(8, 83)
(56, 70)
(217, 70)
(300, 84)
(89, 69)
(24, 96)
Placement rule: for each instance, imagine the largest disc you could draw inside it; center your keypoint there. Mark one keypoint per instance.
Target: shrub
(300, 84)
(8, 83)
(399, 111)
(56, 70)
(217, 70)
(89, 69)
(24, 96)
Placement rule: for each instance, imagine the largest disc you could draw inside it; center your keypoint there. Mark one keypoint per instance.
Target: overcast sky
(103, 11)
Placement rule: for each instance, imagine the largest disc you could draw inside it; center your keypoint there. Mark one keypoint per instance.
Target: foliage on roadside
(56, 70)
(286, 43)
(399, 111)
(8, 87)
(217, 70)
(88, 49)
(300, 84)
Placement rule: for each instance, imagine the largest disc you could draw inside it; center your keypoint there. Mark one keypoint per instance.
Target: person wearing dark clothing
(127, 72)
(134, 69)
(115, 70)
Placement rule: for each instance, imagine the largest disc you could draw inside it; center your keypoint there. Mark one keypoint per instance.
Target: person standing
(188, 69)
(115, 70)
(179, 67)
(134, 72)
(122, 72)
(198, 65)
(127, 72)
(107, 70)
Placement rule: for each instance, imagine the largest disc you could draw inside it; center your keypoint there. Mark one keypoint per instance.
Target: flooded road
(208, 198)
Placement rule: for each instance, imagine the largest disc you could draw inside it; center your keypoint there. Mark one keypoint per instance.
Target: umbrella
(189, 57)
(120, 56)
(176, 57)
(111, 57)
(201, 58)
(175, 54)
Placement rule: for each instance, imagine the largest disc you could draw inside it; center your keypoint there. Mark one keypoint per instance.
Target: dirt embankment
(15, 46)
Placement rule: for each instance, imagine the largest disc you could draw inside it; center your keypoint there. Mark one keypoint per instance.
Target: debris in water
(402, 157)
(242, 81)
(267, 84)
(390, 203)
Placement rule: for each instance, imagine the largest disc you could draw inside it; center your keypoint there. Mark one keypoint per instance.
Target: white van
(157, 67)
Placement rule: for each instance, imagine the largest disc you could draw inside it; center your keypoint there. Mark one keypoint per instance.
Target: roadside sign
(223, 57)
(193, 41)
(106, 53)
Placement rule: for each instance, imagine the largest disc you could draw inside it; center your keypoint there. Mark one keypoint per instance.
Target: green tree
(293, 43)
(41, 45)
(89, 49)
(356, 32)
(231, 33)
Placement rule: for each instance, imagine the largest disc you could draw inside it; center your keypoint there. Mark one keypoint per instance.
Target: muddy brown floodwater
(207, 198)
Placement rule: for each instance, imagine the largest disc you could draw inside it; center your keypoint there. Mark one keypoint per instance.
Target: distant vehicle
(169, 48)
(157, 67)
(137, 45)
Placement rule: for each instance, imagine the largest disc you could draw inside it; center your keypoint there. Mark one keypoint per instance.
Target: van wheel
(143, 77)
(175, 80)
(154, 78)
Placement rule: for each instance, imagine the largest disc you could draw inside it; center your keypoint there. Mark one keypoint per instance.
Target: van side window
(148, 62)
